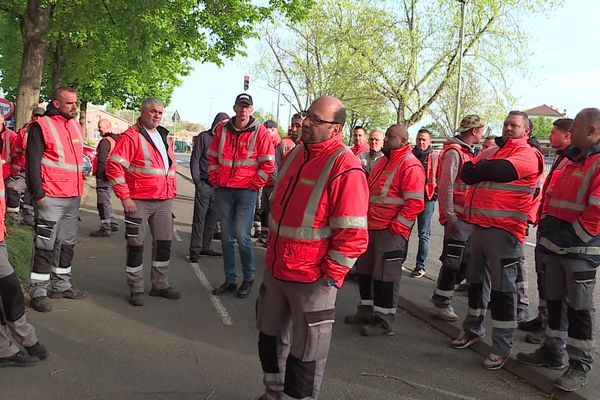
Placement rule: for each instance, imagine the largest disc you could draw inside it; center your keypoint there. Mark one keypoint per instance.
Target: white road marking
(216, 302)
(531, 244)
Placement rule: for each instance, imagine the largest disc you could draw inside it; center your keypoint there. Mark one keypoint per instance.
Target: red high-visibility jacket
(62, 160)
(2, 210)
(506, 205)
(12, 153)
(112, 142)
(243, 160)
(459, 187)
(570, 226)
(276, 142)
(550, 182)
(136, 169)
(360, 149)
(288, 144)
(396, 192)
(318, 221)
(431, 174)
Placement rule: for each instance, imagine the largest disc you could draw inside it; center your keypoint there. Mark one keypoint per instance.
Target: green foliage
(19, 243)
(121, 51)
(541, 126)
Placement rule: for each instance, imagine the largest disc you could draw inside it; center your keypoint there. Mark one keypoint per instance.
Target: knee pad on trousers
(44, 231)
(267, 352)
(66, 255)
(364, 286)
(135, 255)
(42, 261)
(299, 377)
(476, 295)
(580, 324)
(383, 294)
(555, 309)
(13, 302)
(163, 250)
(452, 254)
(132, 227)
(502, 305)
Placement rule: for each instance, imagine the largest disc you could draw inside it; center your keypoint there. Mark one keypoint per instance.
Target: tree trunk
(58, 65)
(82, 119)
(34, 25)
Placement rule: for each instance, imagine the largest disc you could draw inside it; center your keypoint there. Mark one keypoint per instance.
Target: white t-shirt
(160, 145)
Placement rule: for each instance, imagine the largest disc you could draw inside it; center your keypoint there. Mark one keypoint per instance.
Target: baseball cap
(243, 98)
(270, 124)
(469, 122)
(38, 111)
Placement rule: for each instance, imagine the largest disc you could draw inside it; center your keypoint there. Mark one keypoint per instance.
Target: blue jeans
(236, 213)
(424, 227)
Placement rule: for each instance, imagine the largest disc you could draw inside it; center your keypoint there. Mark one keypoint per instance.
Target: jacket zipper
(233, 158)
(73, 148)
(287, 201)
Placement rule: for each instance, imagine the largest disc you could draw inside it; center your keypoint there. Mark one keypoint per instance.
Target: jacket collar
(316, 148)
(253, 125)
(396, 154)
(574, 153)
(458, 140)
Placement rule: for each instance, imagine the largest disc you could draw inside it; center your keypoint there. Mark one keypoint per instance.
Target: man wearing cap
(452, 192)
(205, 217)
(429, 159)
(502, 182)
(241, 159)
(369, 158)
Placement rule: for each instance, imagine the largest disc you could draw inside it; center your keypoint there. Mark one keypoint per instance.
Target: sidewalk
(414, 298)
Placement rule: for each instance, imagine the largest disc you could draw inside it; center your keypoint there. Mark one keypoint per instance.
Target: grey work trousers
(379, 271)
(494, 255)
(17, 195)
(13, 323)
(105, 210)
(56, 234)
(569, 286)
(522, 284)
(454, 254)
(158, 216)
(294, 371)
(205, 219)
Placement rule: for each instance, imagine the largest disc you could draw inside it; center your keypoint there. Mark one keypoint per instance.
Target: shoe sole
(58, 295)
(164, 297)
(468, 344)
(545, 365)
(495, 367)
(569, 389)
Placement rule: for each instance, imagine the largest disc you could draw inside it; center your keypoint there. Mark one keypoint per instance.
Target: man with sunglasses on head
(318, 229)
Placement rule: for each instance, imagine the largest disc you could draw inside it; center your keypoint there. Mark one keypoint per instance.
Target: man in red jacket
(359, 136)
(318, 229)
(141, 170)
(11, 156)
(54, 165)
(241, 158)
(396, 186)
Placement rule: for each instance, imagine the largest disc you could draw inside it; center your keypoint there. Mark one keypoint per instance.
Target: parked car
(89, 157)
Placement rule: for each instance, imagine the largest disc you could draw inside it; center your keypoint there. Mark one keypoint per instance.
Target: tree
(541, 127)
(120, 51)
(398, 54)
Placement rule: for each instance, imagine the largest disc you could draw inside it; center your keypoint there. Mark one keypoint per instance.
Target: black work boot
(542, 357)
(41, 304)
(101, 233)
(37, 350)
(224, 288)
(19, 359)
(244, 289)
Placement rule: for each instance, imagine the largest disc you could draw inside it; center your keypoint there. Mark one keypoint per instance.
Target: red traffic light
(246, 82)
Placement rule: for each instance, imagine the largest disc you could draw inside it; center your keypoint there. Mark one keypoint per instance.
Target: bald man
(368, 159)
(395, 200)
(309, 252)
(108, 222)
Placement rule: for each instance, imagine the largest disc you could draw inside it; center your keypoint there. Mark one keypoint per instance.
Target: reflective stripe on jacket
(111, 141)
(506, 205)
(136, 168)
(62, 160)
(242, 160)
(570, 225)
(318, 221)
(396, 192)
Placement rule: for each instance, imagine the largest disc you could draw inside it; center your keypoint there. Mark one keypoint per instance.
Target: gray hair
(151, 100)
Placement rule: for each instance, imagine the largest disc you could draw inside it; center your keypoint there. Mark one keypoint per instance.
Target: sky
(565, 70)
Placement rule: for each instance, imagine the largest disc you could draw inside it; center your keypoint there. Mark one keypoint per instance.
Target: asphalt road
(204, 347)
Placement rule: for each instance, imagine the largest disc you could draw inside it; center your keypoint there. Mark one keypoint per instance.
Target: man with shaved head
(368, 159)
(108, 222)
(569, 239)
(395, 200)
(318, 229)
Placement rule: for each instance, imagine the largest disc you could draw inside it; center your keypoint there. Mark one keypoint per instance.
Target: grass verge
(19, 243)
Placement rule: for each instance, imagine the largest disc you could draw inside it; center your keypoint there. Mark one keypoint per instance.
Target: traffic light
(246, 82)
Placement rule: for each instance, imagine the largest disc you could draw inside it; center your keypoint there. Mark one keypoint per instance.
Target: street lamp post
(278, 94)
(460, 57)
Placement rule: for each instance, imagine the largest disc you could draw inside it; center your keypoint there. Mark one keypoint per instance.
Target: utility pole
(460, 57)
(278, 94)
